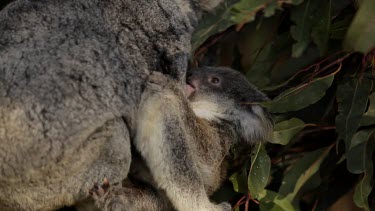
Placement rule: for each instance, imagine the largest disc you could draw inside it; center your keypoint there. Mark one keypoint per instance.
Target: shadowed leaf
(369, 117)
(284, 131)
(321, 29)
(259, 171)
(304, 17)
(302, 96)
(258, 52)
(239, 181)
(359, 160)
(274, 201)
(302, 171)
(352, 96)
(361, 33)
(230, 14)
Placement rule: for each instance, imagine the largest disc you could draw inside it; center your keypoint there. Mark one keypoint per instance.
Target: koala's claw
(98, 191)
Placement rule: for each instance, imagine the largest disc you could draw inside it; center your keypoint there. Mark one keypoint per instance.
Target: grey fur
(71, 79)
(185, 143)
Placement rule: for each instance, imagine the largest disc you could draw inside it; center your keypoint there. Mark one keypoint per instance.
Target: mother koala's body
(71, 75)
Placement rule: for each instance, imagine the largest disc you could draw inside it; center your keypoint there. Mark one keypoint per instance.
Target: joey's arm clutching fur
(185, 138)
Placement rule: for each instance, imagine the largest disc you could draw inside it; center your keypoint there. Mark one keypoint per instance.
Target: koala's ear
(254, 124)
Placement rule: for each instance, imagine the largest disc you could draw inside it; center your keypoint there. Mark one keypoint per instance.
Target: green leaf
(229, 14)
(270, 207)
(212, 23)
(239, 181)
(352, 96)
(359, 160)
(245, 10)
(369, 117)
(355, 155)
(274, 201)
(260, 70)
(260, 52)
(300, 97)
(361, 33)
(259, 171)
(363, 189)
(321, 29)
(271, 8)
(339, 28)
(303, 17)
(302, 171)
(284, 131)
(287, 69)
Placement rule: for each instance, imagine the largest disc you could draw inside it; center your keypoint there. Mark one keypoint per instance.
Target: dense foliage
(315, 59)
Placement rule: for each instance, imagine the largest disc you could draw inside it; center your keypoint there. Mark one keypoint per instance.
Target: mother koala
(71, 78)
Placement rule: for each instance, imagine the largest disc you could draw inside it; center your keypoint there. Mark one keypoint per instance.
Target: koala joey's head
(219, 93)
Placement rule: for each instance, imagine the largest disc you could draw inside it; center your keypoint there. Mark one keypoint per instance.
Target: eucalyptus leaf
(301, 172)
(259, 171)
(246, 10)
(287, 69)
(297, 98)
(359, 160)
(274, 201)
(321, 29)
(258, 53)
(292, 65)
(304, 18)
(363, 189)
(352, 96)
(369, 117)
(361, 33)
(211, 24)
(230, 13)
(239, 181)
(284, 131)
(270, 207)
(355, 156)
(339, 28)
(259, 72)
(271, 8)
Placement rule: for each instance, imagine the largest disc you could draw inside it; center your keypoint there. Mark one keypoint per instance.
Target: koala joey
(184, 140)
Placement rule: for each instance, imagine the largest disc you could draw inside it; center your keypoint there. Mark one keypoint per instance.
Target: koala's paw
(98, 191)
(157, 82)
(158, 78)
(225, 206)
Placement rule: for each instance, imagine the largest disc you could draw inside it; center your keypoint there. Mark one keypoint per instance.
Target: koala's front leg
(165, 140)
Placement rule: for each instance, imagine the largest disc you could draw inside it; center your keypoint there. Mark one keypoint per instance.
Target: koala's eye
(214, 80)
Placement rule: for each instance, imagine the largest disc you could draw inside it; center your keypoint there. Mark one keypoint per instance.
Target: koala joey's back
(221, 93)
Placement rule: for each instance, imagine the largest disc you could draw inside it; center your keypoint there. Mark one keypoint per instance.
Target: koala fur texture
(71, 77)
(185, 141)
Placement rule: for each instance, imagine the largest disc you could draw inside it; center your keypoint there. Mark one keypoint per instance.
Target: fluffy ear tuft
(255, 126)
